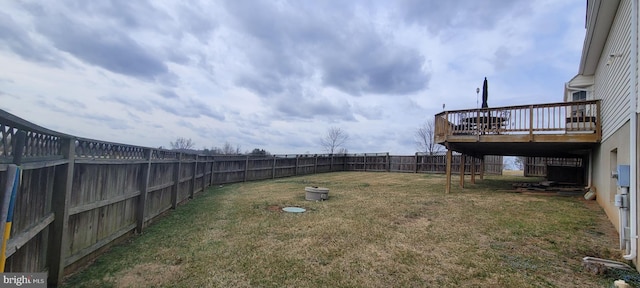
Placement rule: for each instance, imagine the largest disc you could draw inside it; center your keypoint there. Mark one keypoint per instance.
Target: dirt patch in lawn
(147, 275)
(274, 208)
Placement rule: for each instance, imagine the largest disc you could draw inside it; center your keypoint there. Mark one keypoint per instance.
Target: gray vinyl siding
(612, 81)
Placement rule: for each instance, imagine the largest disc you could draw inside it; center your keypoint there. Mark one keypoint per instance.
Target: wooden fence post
(344, 162)
(62, 187)
(365, 162)
(388, 162)
(213, 165)
(296, 171)
(331, 164)
(246, 169)
(415, 160)
(273, 168)
(144, 189)
(193, 179)
(204, 173)
(176, 182)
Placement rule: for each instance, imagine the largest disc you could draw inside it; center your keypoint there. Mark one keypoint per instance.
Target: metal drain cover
(294, 209)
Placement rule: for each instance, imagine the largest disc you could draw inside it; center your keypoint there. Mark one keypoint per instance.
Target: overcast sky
(276, 75)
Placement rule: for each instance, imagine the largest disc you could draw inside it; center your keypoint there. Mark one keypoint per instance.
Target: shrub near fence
(78, 196)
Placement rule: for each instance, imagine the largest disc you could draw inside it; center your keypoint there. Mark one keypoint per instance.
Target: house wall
(612, 85)
(612, 152)
(612, 74)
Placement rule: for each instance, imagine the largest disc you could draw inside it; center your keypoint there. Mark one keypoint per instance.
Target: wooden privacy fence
(240, 168)
(79, 195)
(537, 166)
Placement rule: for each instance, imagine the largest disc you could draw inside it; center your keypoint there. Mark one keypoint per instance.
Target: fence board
(537, 166)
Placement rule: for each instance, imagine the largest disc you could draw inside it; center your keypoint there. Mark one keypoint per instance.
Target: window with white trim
(579, 110)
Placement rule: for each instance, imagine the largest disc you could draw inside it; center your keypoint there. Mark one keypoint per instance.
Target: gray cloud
(168, 94)
(188, 108)
(196, 21)
(125, 13)
(318, 108)
(111, 50)
(292, 44)
(175, 105)
(73, 103)
(18, 40)
(51, 106)
(375, 68)
(370, 112)
(102, 119)
(111, 122)
(129, 102)
(438, 15)
(106, 44)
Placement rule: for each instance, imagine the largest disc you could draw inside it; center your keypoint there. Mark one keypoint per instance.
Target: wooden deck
(551, 130)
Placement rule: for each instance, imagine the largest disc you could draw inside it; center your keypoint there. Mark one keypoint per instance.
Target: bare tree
(518, 162)
(334, 139)
(228, 149)
(182, 144)
(424, 138)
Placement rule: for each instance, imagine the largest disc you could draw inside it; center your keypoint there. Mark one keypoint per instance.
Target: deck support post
(473, 170)
(482, 168)
(462, 160)
(447, 185)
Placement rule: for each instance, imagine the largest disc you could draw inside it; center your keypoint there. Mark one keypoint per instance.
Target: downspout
(633, 135)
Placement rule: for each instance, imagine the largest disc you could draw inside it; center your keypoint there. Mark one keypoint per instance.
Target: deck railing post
(531, 123)
(479, 126)
(447, 126)
(58, 237)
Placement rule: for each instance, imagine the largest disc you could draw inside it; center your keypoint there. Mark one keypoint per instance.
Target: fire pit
(316, 193)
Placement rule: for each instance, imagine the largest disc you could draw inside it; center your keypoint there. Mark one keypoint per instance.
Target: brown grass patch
(146, 275)
(274, 208)
(512, 172)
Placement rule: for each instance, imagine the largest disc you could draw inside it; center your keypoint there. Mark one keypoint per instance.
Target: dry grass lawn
(376, 230)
